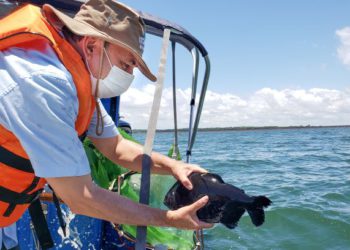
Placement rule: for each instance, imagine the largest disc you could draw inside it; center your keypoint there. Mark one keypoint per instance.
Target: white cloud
(344, 48)
(266, 107)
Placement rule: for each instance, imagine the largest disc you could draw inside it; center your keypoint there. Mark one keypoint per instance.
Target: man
(53, 70)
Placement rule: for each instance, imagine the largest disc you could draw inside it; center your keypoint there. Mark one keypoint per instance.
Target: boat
(90, 233)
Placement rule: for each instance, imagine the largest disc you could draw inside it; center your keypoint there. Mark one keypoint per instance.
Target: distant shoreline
(244, 128)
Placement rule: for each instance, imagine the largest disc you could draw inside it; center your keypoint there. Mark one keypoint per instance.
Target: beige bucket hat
(108, 20)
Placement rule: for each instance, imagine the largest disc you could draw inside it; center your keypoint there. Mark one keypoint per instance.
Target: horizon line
(243, 128)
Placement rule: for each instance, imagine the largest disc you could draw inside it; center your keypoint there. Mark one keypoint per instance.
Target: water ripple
(305, 172)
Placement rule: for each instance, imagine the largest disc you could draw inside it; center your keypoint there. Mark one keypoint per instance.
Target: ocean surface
(305, 172)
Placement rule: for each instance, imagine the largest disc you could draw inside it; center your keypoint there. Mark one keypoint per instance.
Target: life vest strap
(62, 222)
(15, 198)
(15, 161)
(83, 136)
(9, 196)
(40, 225)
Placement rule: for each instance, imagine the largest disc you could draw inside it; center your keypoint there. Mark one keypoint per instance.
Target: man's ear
(90, 45)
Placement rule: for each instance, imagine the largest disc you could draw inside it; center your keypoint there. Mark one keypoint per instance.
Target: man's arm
(84, 197)
(129, 155)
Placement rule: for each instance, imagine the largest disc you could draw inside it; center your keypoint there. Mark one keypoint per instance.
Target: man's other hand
(186, 217)
(182, 170)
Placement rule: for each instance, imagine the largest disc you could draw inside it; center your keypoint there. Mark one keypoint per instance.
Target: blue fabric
(38, 103)
(8, 236)
(83, 232)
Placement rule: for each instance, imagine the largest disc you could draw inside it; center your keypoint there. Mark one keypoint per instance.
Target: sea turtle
(226, 204)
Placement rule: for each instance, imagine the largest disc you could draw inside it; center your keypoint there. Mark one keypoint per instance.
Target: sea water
(305, 172)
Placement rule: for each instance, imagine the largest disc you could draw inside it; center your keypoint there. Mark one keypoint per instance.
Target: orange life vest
(27, 28)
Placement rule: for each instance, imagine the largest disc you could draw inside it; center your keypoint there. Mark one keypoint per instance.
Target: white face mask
(114, 84)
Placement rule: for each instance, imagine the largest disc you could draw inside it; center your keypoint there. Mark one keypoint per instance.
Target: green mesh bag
(104, 173)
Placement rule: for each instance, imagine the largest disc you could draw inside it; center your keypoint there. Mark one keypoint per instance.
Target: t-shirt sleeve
(109, 128)
(41, 111)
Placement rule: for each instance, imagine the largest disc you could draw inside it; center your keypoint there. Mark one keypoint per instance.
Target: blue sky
(254, 45)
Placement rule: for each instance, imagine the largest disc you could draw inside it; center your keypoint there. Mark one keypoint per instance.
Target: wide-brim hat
(108, 20)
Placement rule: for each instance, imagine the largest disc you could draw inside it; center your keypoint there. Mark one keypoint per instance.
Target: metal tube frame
(201, 101)
(195, 56)
(175, 151)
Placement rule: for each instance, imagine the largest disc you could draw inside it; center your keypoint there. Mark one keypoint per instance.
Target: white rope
(152, 124)
(147, 149)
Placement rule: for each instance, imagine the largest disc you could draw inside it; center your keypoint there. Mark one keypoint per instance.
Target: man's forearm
(121, 210)
(96, 202)
(129, 155)
(128, 151)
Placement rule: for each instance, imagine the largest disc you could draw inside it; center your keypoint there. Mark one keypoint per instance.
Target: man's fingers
(197, 168)
(186, 182)
(200, 203)
(197, 205)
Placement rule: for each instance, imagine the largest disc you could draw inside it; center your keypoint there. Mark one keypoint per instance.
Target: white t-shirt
(39, 104)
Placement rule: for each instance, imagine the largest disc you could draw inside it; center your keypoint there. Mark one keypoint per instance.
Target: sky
(273, 63)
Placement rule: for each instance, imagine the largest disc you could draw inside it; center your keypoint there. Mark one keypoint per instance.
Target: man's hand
(182, 170)
(186, 217)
